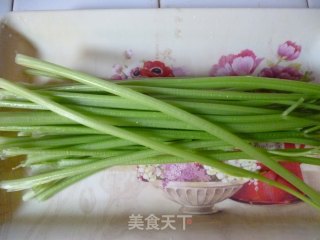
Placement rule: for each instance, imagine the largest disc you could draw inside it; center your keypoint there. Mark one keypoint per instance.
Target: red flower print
(289, 51)
(240, 64)
(155, 69)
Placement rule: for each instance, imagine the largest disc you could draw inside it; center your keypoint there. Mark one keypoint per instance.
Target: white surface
(314, 3)
(234, 3)
(27, 5)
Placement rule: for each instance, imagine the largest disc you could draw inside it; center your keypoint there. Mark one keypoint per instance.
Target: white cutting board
(188, 41)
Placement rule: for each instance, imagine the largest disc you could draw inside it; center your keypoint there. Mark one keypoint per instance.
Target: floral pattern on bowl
(196, 187)
(199, 197)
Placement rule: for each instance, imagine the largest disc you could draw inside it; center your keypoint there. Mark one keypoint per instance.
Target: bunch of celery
(71, 131)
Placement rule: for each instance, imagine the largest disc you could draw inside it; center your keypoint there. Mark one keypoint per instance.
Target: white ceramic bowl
(311, 175)
(199, 197)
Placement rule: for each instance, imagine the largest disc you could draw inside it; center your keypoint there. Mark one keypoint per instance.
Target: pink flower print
(289, 51)
(240, 64)
(281, 72)
(119, 74)
(117, 68)
(179, 72)
(185, 172)
(128, 54)
(135, 73)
